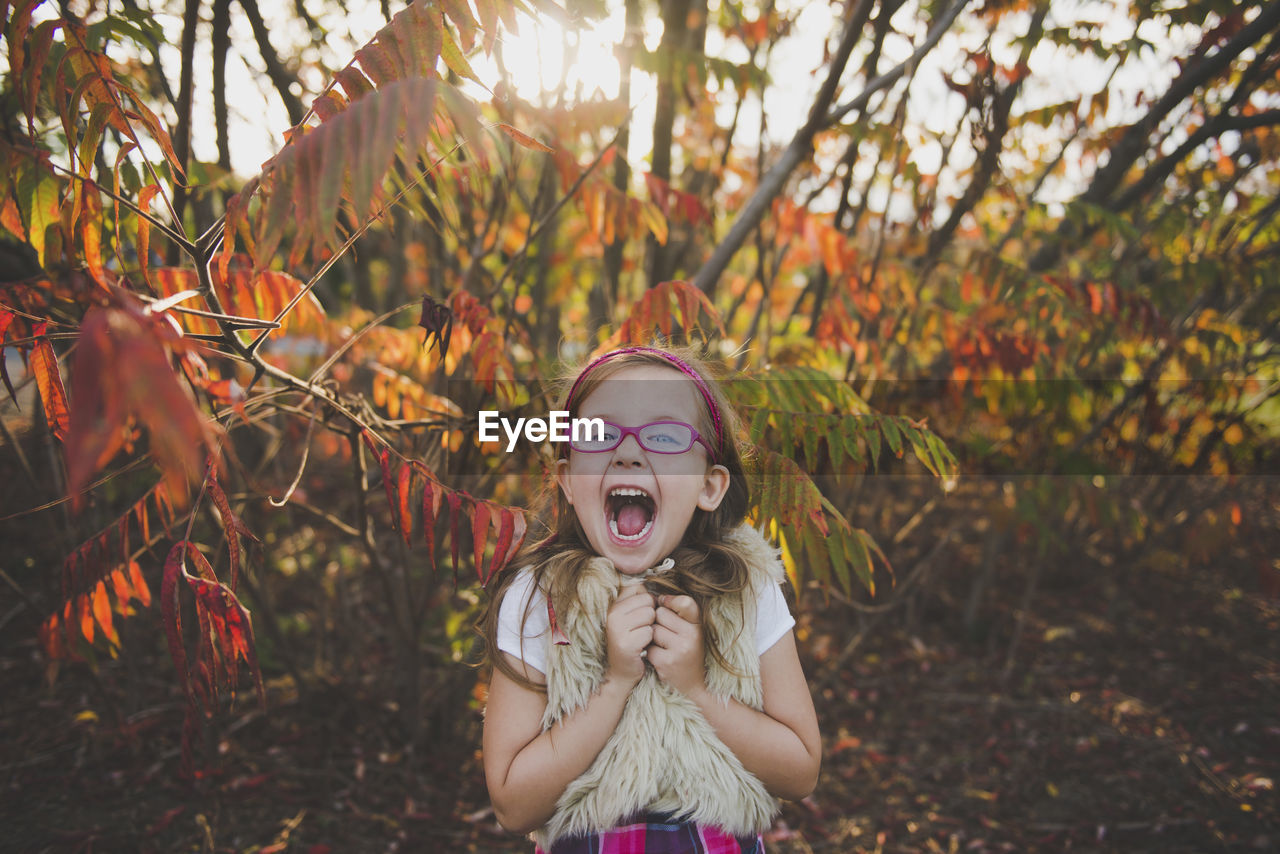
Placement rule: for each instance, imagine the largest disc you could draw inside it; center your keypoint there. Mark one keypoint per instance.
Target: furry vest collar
(663, 757)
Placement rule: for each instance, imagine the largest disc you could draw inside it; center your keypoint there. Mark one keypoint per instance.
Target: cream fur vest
(663, 756)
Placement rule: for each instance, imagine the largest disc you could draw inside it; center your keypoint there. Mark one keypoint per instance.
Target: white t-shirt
(773, 620)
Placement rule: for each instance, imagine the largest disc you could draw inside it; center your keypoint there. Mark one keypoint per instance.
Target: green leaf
(891, 435)
(759, 425)
(39, 198)
(873, 443)
(453, 58)
(810, 436)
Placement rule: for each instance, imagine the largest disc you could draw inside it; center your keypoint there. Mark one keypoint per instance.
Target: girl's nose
(629, 453)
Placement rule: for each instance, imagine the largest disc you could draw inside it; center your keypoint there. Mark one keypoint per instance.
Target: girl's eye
(666, 436)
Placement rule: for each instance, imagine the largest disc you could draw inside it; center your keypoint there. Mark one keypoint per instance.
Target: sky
(534, 58)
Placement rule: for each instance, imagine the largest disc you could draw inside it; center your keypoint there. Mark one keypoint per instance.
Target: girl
(646, 692)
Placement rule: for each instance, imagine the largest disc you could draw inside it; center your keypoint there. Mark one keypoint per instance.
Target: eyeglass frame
(624, 432)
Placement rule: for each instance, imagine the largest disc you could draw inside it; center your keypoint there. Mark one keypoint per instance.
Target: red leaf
(480, 535)
(44, 363)
(6, 319)
(403, 488)
(506, 523)
(230, 524)
(430, 509)
(455, 514)
(124, 369)
(171, 616)
(367, 438)
(517, 537)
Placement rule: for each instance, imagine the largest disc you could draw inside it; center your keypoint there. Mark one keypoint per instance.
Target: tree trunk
(280, 77)
(221, 45)
(182, 134)
(684, 30)
(622, 169)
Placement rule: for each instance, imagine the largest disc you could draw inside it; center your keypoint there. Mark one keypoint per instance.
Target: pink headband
(676, 362)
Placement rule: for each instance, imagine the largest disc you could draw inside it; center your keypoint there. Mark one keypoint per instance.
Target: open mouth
(630, 512)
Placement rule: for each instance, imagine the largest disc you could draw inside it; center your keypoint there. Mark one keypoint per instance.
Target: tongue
(632, 519)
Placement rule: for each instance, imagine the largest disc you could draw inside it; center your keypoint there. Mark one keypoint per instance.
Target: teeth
(629, 490)
(613, 526)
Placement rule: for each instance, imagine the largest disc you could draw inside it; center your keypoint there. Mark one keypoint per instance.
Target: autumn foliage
(307, 350)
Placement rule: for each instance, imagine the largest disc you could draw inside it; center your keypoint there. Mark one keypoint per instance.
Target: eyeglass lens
(662, 437)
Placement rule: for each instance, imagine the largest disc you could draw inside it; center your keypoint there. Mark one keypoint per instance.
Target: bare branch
(801, 146)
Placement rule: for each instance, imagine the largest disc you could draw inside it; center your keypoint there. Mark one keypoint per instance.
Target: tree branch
(280, 77)
(1134, 142)
(801, 146)
(1216, 126)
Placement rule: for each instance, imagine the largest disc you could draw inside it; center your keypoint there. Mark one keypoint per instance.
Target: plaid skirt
(658, 834)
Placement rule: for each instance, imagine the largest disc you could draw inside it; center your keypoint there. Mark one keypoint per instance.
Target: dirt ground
(1107, 693)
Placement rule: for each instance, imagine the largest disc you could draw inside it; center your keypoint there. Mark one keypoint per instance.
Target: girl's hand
(628, 630)
(676, 652)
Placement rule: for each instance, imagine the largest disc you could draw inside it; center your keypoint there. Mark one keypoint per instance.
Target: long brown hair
(705, 565)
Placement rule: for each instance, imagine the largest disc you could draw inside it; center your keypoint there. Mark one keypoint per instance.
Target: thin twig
(350, 342)
(302, 466)
(547, 218)
(168, 232)
(350, 241)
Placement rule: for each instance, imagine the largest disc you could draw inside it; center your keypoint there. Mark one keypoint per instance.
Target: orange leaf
(141, 591)
(11, 219)
(523, 138)
(86, 617)
(91, 233)
(120, 587)
(44, 363)
(403, 488)
(144, 228)
(102, 612)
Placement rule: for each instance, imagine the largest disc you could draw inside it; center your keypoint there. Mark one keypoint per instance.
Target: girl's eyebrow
(651, 418)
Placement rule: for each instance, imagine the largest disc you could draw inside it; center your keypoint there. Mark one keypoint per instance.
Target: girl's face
(633, 504)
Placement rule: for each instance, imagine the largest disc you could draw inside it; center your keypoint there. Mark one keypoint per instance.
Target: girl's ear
(714, 486)
(563, 480)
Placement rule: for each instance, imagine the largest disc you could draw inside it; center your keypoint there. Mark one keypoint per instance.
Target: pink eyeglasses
(657, 437)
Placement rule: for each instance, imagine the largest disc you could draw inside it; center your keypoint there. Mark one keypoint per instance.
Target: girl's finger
(630, 590)
(683, 606)
(638, 619)
(674, 621)
(635, 597)
(663, 636)
(639, 640)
